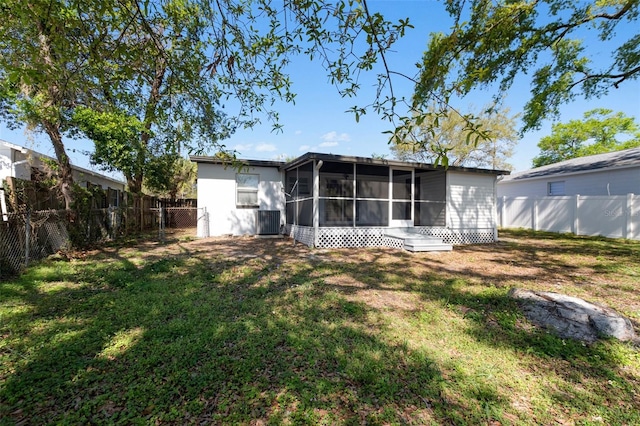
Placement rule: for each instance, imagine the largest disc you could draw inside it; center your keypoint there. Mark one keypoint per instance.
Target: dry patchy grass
(262, 331)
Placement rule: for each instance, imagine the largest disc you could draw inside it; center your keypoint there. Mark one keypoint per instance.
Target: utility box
(268, 222)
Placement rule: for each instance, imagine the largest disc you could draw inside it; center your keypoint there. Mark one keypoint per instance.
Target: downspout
(316, 202)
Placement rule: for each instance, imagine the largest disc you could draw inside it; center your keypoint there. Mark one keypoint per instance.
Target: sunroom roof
(382, 162)
(309, 156)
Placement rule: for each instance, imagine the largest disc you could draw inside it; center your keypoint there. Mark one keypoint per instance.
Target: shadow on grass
(251, 332)
(158, 343)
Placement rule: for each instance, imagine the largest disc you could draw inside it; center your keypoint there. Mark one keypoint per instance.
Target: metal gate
(177, 221)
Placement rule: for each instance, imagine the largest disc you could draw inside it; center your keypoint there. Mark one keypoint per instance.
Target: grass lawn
(260, 331)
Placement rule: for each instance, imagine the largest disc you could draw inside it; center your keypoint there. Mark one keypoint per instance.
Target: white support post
(316, 202)
(534, 214)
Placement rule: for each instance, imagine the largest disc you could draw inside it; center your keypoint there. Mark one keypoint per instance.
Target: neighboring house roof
(343, 158)
(250, 163)
(611, 160)
(39, 155)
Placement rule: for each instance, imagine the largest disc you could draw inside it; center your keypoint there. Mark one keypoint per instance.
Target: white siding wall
(217, 194)
(8, 158)
(471, 200)
(14, 163)
(5, 162)
(606, 182)
(82, 178)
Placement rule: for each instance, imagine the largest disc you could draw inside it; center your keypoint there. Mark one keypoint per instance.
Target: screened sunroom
(328, 200)
(339, 201)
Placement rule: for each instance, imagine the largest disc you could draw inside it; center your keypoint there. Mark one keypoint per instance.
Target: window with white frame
(247, 190)
(556, 188)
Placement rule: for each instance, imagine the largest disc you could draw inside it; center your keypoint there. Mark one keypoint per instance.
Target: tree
(179, 183)
(495, 42)
(45, 68)
(446, 137)
(600, 131)
(172, 64)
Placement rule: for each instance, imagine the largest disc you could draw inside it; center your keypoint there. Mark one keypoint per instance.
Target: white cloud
(298, 132)
(304, 148)
(243, 147)
(336, 137)
(328, 144)
(265, 147)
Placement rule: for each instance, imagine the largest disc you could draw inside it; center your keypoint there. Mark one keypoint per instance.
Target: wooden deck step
(414, 241)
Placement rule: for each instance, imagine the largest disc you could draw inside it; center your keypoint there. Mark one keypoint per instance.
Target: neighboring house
(23, 163)
(614, 173)
(328, 200)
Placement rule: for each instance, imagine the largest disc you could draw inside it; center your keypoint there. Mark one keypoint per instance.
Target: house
(22, 163)
(594, 195)
(325, 200)
(613, 173)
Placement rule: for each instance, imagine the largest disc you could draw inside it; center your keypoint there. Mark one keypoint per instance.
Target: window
(556, 188)
(114, 197)
(247, 190)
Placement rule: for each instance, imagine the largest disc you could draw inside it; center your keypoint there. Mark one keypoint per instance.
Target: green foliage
(170, 176)
(116, 138)
(437, 137)
(492, 43)
(49, 63)
(171, 65)
(599, 132)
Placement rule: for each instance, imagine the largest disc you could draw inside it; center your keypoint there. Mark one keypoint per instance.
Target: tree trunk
(53, 102)
(145, 136)
(135, 187)
(65, 173)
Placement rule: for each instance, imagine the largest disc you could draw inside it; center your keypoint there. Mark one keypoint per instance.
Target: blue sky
(318, 121)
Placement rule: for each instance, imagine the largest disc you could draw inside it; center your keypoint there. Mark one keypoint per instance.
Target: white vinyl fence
(616, 216)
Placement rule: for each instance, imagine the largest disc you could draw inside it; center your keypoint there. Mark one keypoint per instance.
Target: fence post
(27, 232)
(629, 217)
(3, 206)
(534, 214)
(114, 222)
(161, 223)
(576, 215)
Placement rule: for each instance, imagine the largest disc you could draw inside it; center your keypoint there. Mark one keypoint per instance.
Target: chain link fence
(27, 236)
(31, 235)
(176, 221)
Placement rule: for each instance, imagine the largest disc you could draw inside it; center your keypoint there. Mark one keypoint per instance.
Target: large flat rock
(571, 317)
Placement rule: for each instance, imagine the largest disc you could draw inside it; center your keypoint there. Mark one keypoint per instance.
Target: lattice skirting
(350, 237)
(374, 237)
(397, 243)
(459, 236)
(303, 234)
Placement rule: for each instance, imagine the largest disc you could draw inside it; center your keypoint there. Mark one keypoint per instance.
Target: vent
(268, 222)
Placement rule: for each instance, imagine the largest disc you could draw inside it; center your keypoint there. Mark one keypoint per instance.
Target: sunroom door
(401, 205)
